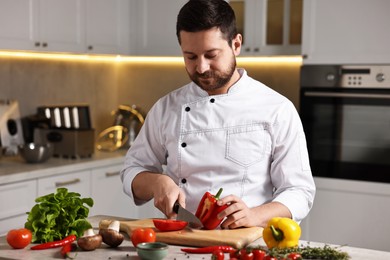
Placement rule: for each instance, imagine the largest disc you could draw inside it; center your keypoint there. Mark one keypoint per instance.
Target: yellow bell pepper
(281, 233)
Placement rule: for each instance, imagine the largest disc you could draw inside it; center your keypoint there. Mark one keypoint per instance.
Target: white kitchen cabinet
(74, 181)
(156, 27)
(15, 200)
(42, 25)
(107, 26)
(353, 213)
(346, 32)
(108, 195)
(60, 25)
(15, 20)
(269, 27)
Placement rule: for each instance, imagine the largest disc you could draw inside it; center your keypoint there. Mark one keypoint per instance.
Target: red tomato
(169, 224)
(218, 255)
(294, 256)
(19, 238)
(141, 235)
(268, 257)
(258, 254)
(245, 255)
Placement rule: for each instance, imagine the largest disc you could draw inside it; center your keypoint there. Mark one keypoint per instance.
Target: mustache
(205, 75)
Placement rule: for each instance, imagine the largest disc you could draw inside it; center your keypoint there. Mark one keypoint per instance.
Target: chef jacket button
(183, 145)
(187, 109)
(183, 180)
(212, 100)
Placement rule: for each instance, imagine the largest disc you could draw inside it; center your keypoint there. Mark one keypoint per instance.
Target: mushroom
(89, 241)
(111, 235)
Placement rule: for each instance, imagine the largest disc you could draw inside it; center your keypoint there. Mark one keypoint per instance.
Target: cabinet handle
(37, 44)
(64, 183)
(247, 49)
(111, 174)
(90, 47)
(44, 44)
(257, 49)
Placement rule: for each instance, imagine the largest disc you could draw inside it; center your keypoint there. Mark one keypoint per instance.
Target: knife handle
(176, 207)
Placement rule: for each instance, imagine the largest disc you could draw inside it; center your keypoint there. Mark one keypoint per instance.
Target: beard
(212, 80)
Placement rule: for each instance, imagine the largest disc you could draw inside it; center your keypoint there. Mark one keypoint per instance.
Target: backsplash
(103, 85)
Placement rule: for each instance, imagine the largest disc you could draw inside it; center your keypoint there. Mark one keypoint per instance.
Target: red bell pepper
(208, 210)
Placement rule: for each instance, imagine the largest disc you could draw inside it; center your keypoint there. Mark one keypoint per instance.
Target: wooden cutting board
(236, 238)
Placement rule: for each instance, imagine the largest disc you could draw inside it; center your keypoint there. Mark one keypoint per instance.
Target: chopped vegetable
(208, 210)
(58, 215)
(169, 224)
(281, 233)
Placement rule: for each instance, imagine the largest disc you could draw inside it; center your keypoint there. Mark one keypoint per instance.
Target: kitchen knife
(185, 215)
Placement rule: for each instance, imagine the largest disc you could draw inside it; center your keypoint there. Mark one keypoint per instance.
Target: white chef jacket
(250, 142)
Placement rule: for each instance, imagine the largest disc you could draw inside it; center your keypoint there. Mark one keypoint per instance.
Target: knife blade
(185, 215)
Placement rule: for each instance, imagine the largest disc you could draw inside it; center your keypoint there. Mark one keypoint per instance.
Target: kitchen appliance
(11, 133)
(69, 130)
(127, 124)
(345, 112)
(237, 238)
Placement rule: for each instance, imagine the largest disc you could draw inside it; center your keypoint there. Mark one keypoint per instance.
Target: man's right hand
(161, 188)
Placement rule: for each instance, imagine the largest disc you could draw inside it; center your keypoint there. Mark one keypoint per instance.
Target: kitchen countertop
(127, 251)
(14, 168)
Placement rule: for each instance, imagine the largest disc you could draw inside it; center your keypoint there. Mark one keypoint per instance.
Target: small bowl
(152, 251)
(36, 153)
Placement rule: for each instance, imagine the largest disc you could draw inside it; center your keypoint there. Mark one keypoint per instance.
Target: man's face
(209, 60)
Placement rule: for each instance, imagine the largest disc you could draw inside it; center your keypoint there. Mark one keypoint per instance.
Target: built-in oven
(345, 112)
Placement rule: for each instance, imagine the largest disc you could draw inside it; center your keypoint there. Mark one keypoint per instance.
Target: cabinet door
(61, 25)
(269, 27)
(107, 26)
(15, 20)
(346, 32)
(352, 213)
(15, 200)
(108, 195)
(156, 27)
(75, 182)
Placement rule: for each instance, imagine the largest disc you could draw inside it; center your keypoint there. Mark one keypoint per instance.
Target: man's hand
(159, 187)
(165, 194)
(238, 214)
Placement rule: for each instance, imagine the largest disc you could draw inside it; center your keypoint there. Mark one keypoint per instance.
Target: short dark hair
(199, 15)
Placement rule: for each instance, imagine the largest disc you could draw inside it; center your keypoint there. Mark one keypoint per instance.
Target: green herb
(58, 215)
(307, 252)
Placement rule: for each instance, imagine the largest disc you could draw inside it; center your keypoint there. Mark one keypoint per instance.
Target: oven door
(348, 132)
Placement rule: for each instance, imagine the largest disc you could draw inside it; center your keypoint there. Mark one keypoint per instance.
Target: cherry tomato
(258, 254)
(294, 256)
(234, 254)
(169, 224)
(19, 238)
(268, 257)
(141, 235)
(218, 255)
(245, 255)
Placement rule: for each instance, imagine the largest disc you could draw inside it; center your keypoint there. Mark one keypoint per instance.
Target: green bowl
(152, 251)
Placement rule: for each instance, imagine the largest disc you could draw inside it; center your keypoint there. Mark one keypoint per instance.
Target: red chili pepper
(66, 249)
(208, 210)
(53, 244)
(207, 249)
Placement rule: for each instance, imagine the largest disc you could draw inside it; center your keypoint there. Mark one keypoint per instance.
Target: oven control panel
(371, 76)
(346, 76)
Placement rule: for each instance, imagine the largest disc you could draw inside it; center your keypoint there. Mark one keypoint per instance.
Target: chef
(222, 130)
